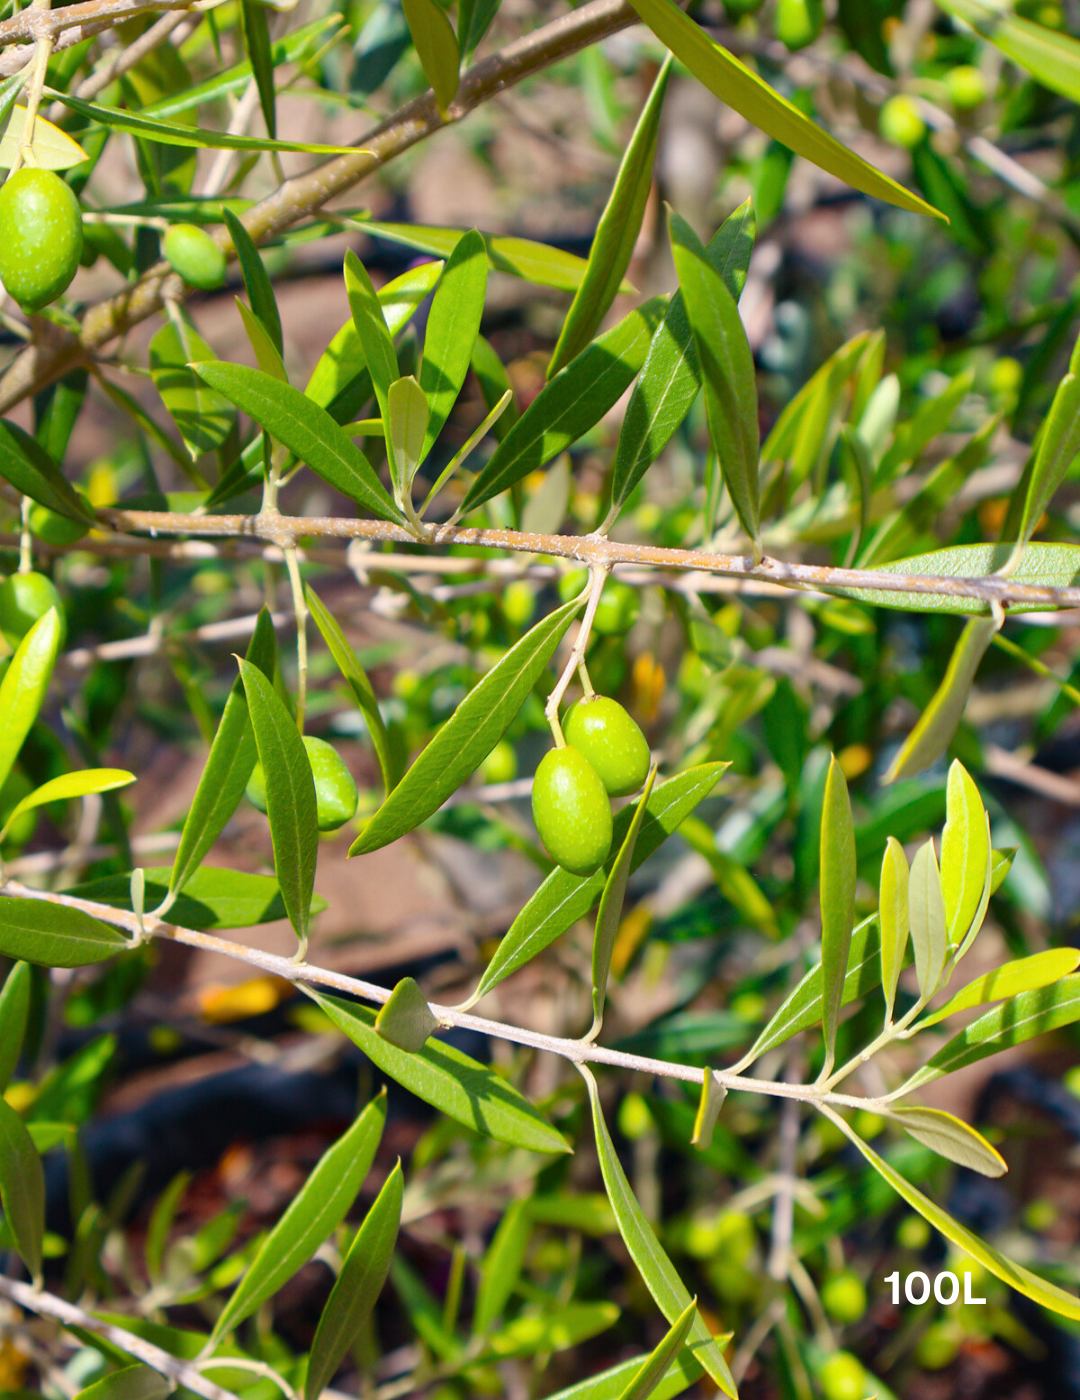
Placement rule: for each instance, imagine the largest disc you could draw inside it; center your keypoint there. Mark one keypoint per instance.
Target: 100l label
(917, 1288)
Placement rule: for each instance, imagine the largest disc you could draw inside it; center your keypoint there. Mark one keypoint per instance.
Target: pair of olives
(605, 756)
(23, 599)
(41, 236)
(336, 796)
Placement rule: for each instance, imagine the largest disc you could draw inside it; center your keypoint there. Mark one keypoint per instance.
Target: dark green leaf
(137, 1382)
(574, 401)
(656, 1269)
(203, 416)
(380, 356)
(212, 898)
(312, 1216)
(436, 47)
(452, 327)
(616, 233)
(14, 1010)
(837, 898)
(305, 429)
(501, 1268)
(54, 935)
(22, 1188)
(448, 1080)
(468, 736)
(256, 33)
(29, 468)
(359, 1284)
(290, 796)
(259, 289)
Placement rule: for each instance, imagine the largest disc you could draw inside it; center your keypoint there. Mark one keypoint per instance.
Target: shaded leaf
(26, 465)
(203, 416)
(137, 1382)
(358, 1285)
(893, 919)
(502, 1263)
(22, 1188)
(1051, 57)
(380, 356)
(1021, 975)
(616, 233)
(436, 47)
(212, 898)
(290, 796)
(14, 1011)
(406, 1020)
(926, 910)
(406, 425)
(468, 736)
(452, 327)
(266, 353)
(951, 1138)
(656, 1269)
(453, 1083)
(312, 1216)
(837, 845)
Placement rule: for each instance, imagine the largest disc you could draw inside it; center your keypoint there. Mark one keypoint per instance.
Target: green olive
(618, 609)
(798, 22)
(519, 602)
(41, 236)
(191, 252)
(54, 528)
(843, 1296)
(966, 87)
(900, 122)
(603, 731)
(500, 766)
(939, 1345)
(843, 1377)
(571, 811)
(23, 599)
(336, 796)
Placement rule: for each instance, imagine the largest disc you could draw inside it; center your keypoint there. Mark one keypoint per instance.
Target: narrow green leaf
(616, 233)
(228, 766)
(926, 424)
(266, 352)
(1021, 975)
(727, 373)
(1019, 1019)
(893, 919)
(358, 1285)
(802, 431)
(290, 796)
(136, 1382)
(379, 353)
(203, 416)
(609, 1384)
(950, 1138)
(935, 727)
(305, 429)
(926, 909)
(468, 736)
(22, 690)
(656, 1269)
(436, 47)
(1047, 1295)
(501, 1267)
(574, 401)
(965, 851)
(1048, 565)
(212, 898)
(609, 914)
(70, 785)
(670, 377)
(452, 327)
(26, 465)
(710, 1103)
(450, 1081)
(406, 1020)
(564, 898)
(256, 31)
(1059, 442)
(1000, 865)
(655, 1365)
(837, 845)
(406, 425)
(174, 134)
(256, 280)
(312, 1216)
(54, 935)
(539, 1334)
(161, 1221)
(22, 1188)
(494, 385)
(764, 108)
(489, 424)
(14, 1011)
(1051, 57)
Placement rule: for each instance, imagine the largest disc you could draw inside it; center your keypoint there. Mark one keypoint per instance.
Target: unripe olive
(335, 788)
(939, 1345)
(54, 528)
(571, 811)
(843, 1377)
(634, 1118)
(798, 22)
(966, 87)
(500, 766)
(519, 602)
(603, 731)
(41, 236)
(191, 252)
(900, 122)
(23, 599)
(913, 1233)
(618, 608)
(843, 1296)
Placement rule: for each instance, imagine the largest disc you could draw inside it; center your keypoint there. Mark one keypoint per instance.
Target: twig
(33, 24)
(46, 1305)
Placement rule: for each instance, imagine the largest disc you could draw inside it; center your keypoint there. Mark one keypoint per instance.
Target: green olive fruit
(798, 22)
(966, 87)
(843, 1296)
(571, 811)
(913, 1233)
(191, 252)
(618, 608)
(939, 1345)
(1006, 376)
(41, 236)
(500, 766)
(572, 584)
(54, 528)
(900, 122)
(336, 796)
(603, 731)
(634, 1118)
(843, 1377)
(519, 602)
(23, 599)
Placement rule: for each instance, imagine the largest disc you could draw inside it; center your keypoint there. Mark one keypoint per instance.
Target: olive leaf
(257, 282)
(837, 847)
(501, 1266)
(405, 1020)
(51, 148)
(14, 1013)
(367, 313)
(67, 786)
(212, 898)
(436, 47)
(407, 416)
(893, 918)
(311, 1217)
(266, 352)
(682, 1372)
(656, 1269)
(616, 233)
(26, 465)
(926, 910)
(22, 1189)
(55, 935)
(710, 1103)
(138, 1382)
(468, 736)
(1057, 446)
(452, 327)
(203, 416)
(645, 1381)
(358, 1285)
(951, 1138)
(1049, 55)
(1021, 975)
(256, 31)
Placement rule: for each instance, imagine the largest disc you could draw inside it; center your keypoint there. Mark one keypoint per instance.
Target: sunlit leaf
(965, 853)
(837, 844)
(893, 918)
(52, 149)
(710, 1103)
(436, 47)
(69, 785)
(1021, 975)
(203, 416)
(137, 1382)
(926, 910)
(1050, 56)
(452, 327)
(406, 424)
(256, 279)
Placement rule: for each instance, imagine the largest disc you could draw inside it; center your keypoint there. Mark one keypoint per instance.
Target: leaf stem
(597, 578)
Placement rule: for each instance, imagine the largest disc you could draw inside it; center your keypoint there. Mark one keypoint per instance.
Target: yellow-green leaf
(70, 785)
(837, 844)
(965, 850)
(710, 1103)
(1020, 975)
(436, 47)
(52, 149)
(926, 910)
(893, 917)
(951, 1138)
